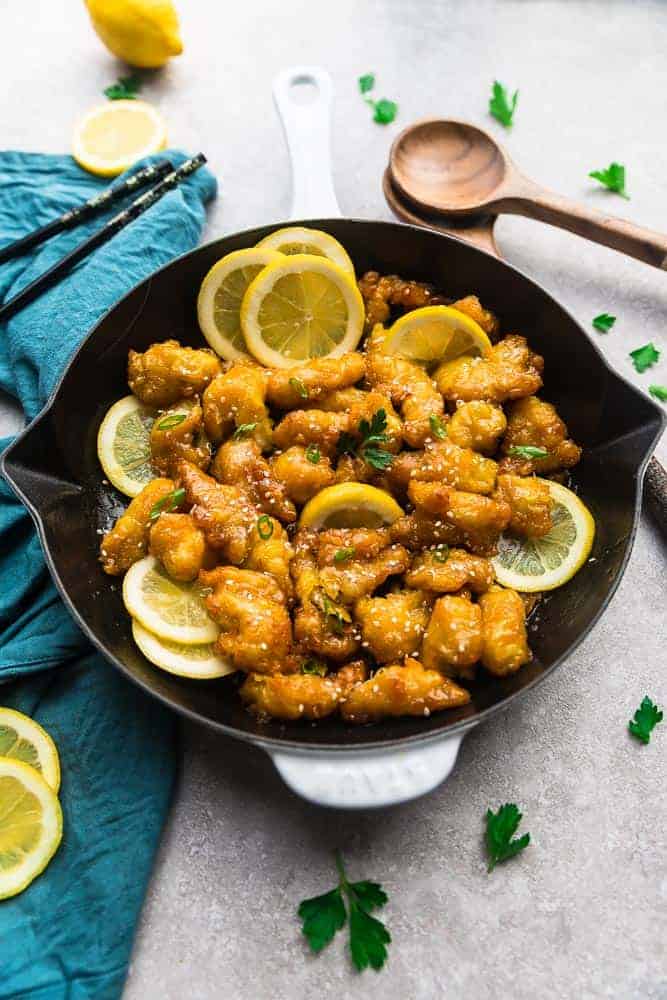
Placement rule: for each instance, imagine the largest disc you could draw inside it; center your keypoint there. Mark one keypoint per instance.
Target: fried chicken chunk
(444, 462)
(471, 306)
(300, 696)
(504, 624)
(453, 640)
(167, 372)
(249, 607)
(406, 689)
(392, 627)
(353, 562)
(451, 516)
(380, 293)
(447, 570)
(531, 503)
(225, 514)
(478, 425)
(271, 553)
(319, 428)
(512, 371)
(180, 546)
(533, 422)
(321, 626)
(127, 542)
(289, 388)
(178, 434)
(241, 463)
(235, 399)
(302, 472)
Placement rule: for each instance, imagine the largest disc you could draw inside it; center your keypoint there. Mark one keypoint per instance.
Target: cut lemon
(113, 136)
(169, 609)
(530, 564)
(301, 307)
(31, 825)
(21, 738)
(435, 334)
(298, 239)
(124, 447)
(220, 297)
(350, 505)
(198, 662)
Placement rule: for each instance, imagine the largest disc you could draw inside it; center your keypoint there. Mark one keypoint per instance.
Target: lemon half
(124, 445)
(31, 825)
(113, 136)
(298, 239)
(199, 662)
(21, 738)
(170, 609)
(436, 334)
(350, 505)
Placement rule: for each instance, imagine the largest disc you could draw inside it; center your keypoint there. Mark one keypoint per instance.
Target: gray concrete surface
(583, 912)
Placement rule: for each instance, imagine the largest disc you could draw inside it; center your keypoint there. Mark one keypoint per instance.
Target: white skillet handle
(307, 131)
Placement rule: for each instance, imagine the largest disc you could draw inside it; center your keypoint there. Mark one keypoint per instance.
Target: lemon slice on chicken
(21, 738)
(350, 505)
(298, 239)
(31, 825)
(124, 445)
(200, 662)
(436, 334)
(168, 608)
(301, 307)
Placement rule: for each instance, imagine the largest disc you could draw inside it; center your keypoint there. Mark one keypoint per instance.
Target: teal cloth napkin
(69, 935)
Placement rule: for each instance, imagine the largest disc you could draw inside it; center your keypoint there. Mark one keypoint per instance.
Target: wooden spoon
(456, 169)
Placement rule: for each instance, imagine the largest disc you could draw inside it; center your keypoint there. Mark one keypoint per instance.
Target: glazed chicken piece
(321, 626)
(127, 542)
(241, 463)
(249, 607)
(504, 624)
(237, 399)
(290, 388)
(225, 514)
(444, 462)
(167, 373)
(451, 516)
(318, 428)
(406, 689)
(271, 553)
(512, 371)
(178, 434)
(362, 405)
(180, 546)
(300, 696)
(477, 425)
(531, 504)
(453, 641)
(392, 627)
(302, 472)
(381, 293)
(353, 562)
(445, 571)
(471, 306)
(533, 422)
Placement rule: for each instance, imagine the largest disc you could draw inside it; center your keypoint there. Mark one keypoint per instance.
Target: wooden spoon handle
(534, 202)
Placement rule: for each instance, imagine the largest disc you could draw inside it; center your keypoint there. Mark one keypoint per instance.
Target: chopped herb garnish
(313, 666)
(168, 503)
(299, 387)
(659, 392)
(441, 553)
(347, 444)
(604, 322)
(373, 436)
(313, 453)
(242, 430)
(173, 420)
(124, 89)
(340, 616)
(645, 719)
(384, 111)
(341, 555)
(323, 915)
(264, 527)
(500, 105)
(437, 426)
(644, 357)
(366, 82)
(500, 828)
(613, 178)
(527, 451)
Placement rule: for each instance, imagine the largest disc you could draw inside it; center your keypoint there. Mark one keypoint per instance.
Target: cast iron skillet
(54, 469)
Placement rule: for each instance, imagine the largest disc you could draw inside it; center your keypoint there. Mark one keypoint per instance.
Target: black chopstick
(94, 205)
(114, 225)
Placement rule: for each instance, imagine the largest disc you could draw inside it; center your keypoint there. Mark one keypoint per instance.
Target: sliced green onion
(313, 453)
(174, 420)
(299, 387)
(242, 430)
(527, 451)
(437, 426)
(314, 667)
(264, 527)
(168, 503)
(342, 554)
(441, 553)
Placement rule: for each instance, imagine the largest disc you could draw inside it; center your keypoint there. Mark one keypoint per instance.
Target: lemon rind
(15, 880)
(153, 649)
(328, 244)
(29, 729)
(105, 442)
(186, 635)
(348, 497)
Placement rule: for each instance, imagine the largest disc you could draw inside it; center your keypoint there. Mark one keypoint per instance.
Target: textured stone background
(583, 912)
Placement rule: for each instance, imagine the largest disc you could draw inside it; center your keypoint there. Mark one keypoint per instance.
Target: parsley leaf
(242, 430)
(366, 82)
(323, 915)
(644, 357)
(299, 387)
(645, 719)
(604, 322)
(527, 451)
(384, 111)
(124, 89)
(378, 458)
(341, 555)
(437, 426)
(314, 666)
(313, 454)
(613, 178)
(500, 828)
(373, 436)
(500, 105)
(659, 392)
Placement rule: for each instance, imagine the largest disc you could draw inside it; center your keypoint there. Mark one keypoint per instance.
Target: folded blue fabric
(69, 935)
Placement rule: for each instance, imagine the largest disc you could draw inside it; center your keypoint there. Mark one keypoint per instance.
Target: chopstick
(86, 210)
(113, 226)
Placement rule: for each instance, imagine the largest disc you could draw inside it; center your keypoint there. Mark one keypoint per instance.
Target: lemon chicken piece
(311, 428)
(271, 552)
(127, 542)
(302, 472)
(478, 425)
(380, 293)
(533, 422)
(407, 689)
(362, 405)
(241, 463)
(300, 696)
(444, 462)
(472, 307)
(178, 434)
(531, 503)
(180, 546)
(445, 571)
(290, 388)
(250, 608)
(225, 514)
(167, 373)
(392, 627)
(505, 646)
(353, 562)
(236, 399)
(511, 372)
(453, 517)
(454, 640)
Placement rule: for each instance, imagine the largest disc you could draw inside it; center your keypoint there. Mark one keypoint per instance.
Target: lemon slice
(350, 505)
(298, 239)
(301, 307)
(201, 662)
(435, 334)
(21, 738)
(124, 445)
(168, 608)
(113, 136)
(31, 825)
(530, 564)
(220, 297)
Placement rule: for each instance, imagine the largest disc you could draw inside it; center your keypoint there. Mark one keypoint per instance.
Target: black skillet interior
(54, 464)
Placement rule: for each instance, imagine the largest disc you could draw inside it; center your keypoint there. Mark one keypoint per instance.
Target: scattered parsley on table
(384, 111)
(500, 828)
(124, 89)
(645, 719)
(501, 106)
(613, 178)
(644, 357)
(659, 392)
(604, 322)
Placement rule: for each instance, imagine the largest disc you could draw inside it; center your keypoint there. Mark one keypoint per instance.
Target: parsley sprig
(659, 392)
(500, 828)
(384, 111)
(323, 915)
(645, 357)
(604, 322)
(613, 178)
(124, 89)
(645, 719)
(373, 436)
(501, 106)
